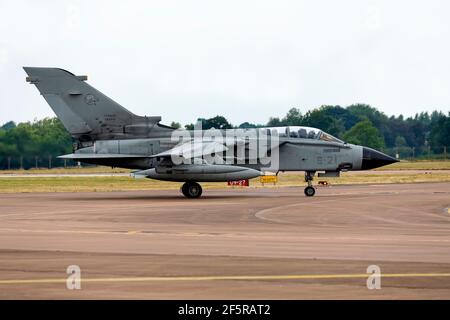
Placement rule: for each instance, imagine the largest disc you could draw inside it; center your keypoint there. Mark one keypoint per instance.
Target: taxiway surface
(250, 243)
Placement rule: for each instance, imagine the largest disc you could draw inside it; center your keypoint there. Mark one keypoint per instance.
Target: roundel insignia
(90, 99)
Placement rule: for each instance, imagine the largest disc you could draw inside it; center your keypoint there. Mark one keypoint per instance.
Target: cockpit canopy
(304, 133)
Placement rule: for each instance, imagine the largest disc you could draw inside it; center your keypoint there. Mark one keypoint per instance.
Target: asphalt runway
(249, 243)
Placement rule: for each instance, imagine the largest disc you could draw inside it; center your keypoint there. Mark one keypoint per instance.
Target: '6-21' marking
(326, 160)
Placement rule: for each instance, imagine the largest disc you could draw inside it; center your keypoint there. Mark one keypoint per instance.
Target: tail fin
(84, 111)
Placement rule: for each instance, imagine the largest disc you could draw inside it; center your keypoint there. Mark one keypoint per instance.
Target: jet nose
(375, 159)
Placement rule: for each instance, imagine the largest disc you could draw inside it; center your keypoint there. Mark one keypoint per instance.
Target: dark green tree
(217, 122)
(440, 132)
(247, 125)
(275, 122)
(366, 134)
(293, 118)
(8, 125)
(175, 125)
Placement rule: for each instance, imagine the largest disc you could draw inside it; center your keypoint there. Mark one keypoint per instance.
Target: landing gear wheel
(310, 191)
(191, 190)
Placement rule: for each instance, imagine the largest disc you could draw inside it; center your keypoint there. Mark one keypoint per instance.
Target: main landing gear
(191, 189)
(309, 190)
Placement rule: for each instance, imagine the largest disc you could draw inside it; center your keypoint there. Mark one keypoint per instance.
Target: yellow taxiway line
(216, 278)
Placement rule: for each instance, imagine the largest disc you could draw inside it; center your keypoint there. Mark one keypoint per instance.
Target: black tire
(191, 190)
(310, 191)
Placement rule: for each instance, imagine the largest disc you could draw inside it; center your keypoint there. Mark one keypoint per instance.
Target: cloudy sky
(246, 60)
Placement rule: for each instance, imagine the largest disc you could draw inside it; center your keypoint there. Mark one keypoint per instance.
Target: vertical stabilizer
(85, 112)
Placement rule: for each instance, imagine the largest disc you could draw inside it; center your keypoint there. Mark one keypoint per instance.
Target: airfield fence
(419, 153)
(35, 162)
(52, 161)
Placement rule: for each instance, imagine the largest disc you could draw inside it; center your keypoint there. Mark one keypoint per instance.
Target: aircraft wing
(188, 150)
(192, 149)
(90, 156)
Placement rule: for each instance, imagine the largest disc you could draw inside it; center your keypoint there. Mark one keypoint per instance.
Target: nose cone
(375, 159)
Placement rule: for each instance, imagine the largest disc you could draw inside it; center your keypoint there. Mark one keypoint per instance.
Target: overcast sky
(246, 60)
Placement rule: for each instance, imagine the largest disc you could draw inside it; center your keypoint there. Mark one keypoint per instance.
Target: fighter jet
(105, 133)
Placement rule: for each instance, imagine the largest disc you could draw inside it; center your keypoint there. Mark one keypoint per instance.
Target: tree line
(31, 144)
(361, 124)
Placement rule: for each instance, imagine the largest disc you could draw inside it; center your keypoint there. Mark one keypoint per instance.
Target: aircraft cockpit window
(303, 133)
(328, 137)
(311, 135)
(306, 132)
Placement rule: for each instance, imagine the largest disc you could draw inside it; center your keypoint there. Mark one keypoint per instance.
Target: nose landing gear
(309, 190)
